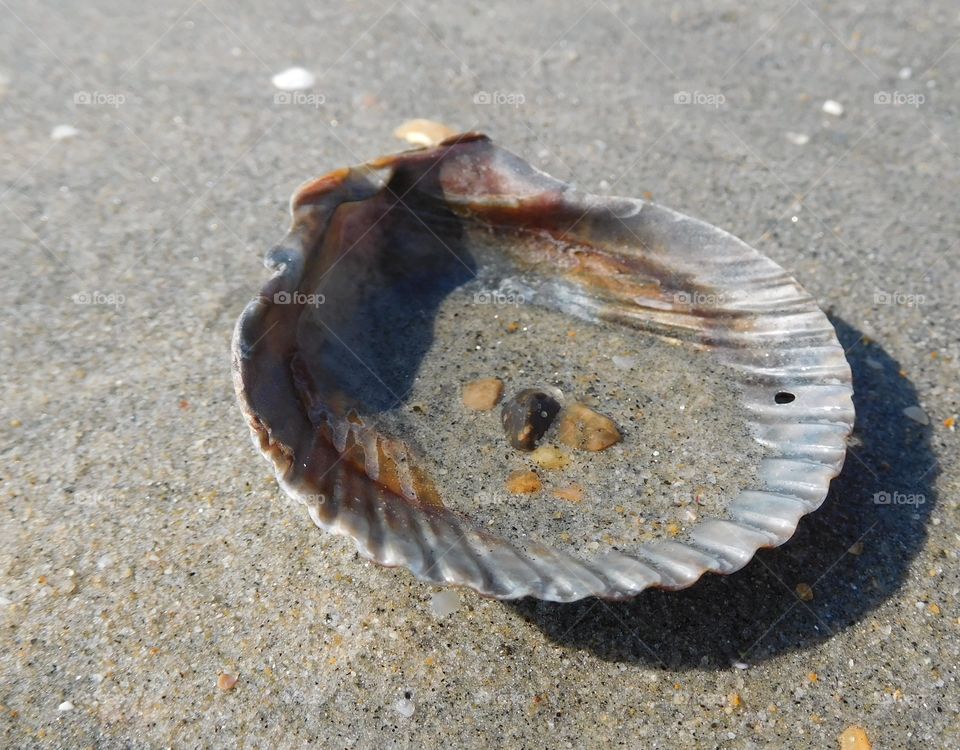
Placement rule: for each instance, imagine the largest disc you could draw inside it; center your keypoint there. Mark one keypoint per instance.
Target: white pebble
(105, 561)
(63, 132)
(832, 107)
(405, 708)
(798, 139)
(294, 79)
(916, 414)
(740, 665)
(624, 363)
(444, 603)
(65, 706)
(905, 74)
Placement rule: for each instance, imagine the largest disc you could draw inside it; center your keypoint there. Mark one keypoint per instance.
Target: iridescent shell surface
(636, 265)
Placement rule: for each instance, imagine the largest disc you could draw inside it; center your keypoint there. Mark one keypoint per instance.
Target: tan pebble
(735, 701)
(584, 429)
(16, 423)
(804, 592)
(513, 327)
(482, 394)
(421, 132)
(226, 681)
(933, 608)
(573, 493)
(550, 457)
(856, 549)
(813, 677)
(854, 738)
(522, 482)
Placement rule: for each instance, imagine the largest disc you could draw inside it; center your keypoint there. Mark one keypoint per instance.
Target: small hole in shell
(784, 397)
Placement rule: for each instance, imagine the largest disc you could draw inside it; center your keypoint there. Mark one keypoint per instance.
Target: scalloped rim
(805, 441)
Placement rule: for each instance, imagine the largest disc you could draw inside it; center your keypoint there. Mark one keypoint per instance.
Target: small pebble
(573, 493)
(63, 132)
(904, 74)
(624, 363)
(856, 549)
(804, 592)
(854, 738)
(294, 79)
(65, 706)
(482, 394)
(405, 707)
(226, 681)
(582, 428)
(444, 603)
(917, 414)
(526, 416)
(423, 132)
(522, 482)
(798, 139)
(832, 107)
(550, 457)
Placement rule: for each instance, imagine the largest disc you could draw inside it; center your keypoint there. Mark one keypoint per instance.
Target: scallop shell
(328, 452)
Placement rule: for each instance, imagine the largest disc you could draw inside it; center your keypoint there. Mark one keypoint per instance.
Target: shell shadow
(881, 502)
(389, 292)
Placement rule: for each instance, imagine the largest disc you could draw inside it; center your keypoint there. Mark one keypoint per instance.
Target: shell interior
(407, 277)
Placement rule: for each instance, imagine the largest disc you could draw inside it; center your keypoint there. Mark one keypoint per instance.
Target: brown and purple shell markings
(403, 224)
